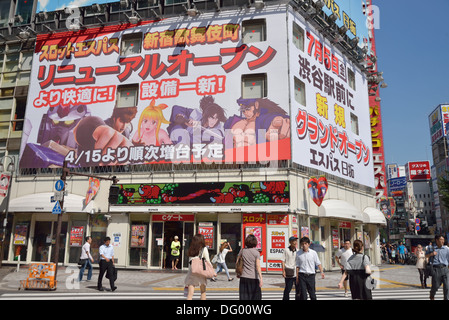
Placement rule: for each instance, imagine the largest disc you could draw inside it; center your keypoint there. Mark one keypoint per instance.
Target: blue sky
(413, 51)
(52, 5)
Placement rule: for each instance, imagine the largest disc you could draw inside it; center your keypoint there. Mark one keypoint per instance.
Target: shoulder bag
(202, 267)
(429, 265)
(239, 265)
(370, 282)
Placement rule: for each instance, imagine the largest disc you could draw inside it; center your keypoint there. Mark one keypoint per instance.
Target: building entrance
(173, 229)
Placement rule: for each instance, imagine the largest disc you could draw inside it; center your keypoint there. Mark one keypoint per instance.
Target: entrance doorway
(172, 229)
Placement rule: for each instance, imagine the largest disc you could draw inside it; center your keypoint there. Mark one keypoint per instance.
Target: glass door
(231, 232)
(157, 245)
(42, 241)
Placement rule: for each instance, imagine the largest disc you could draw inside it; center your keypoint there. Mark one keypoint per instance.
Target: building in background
(218, 117)
(438, 120)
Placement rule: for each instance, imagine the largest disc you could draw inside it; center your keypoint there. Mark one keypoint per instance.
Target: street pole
(8, 197)
(59, 225)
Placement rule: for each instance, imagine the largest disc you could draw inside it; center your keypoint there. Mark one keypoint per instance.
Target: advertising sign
(207, 229)
(331, 130)
(264, 192)
(437, 122)
(277, 242)
(138, 236)
(5, 179)
(76, 236)
(418, 170)
(187, 91)
(397, 184)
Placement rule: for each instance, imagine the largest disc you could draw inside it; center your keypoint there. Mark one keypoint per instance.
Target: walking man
(440, 256)
(289, 267)
(341, 257)
(85, 255)
(306, 263)
(106, 264)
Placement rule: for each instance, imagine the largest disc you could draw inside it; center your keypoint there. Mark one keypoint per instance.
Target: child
(149, 132)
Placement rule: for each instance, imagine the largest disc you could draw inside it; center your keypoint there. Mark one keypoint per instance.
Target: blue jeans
(89, 273)
(220, 267)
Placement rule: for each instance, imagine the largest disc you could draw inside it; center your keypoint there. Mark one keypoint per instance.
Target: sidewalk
(388, 276)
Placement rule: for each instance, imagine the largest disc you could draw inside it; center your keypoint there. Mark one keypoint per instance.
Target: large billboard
(181, 90)
(437, 122)
(418, 170)
(330, 112)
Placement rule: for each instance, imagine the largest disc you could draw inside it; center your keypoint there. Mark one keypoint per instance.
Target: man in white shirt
(341, 257)
(306, 262)
(85, 255)
(106, 264)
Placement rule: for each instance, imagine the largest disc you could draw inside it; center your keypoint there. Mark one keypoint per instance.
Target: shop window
(24, 9)
(300, 92)
(138, 251)
(254, 86)
(131, 44)
(127, 95)
(254, 31)
(4, 12)
(351, 78)
(354, 124)
(298, 36)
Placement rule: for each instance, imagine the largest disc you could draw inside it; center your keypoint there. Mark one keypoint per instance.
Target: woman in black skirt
(251, 279)
(358, 269)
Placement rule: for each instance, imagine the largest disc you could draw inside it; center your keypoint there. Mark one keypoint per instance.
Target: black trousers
(288, 287)
(306, 285)
(106, 267)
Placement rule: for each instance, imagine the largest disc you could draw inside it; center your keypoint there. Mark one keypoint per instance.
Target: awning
(340, 209)
(40, 202)
(374, 216)
(197, 208)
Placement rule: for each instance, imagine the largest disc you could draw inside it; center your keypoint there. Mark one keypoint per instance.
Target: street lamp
(10, 168)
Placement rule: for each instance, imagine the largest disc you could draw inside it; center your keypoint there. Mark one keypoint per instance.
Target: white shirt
(222, 256)
(307, 261)
(85, 251)
(344, 255)
(107, 252)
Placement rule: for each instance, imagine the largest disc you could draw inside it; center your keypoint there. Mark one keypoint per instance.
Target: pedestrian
(106, 264)
(197, 249)
(306, 263)
(439, 258)
(289, 267)
(87, 257)
(358, 269)
(421, 265)
(393, 254)
(175, 251)
(251, 279)
(221, 260)
(402, 250)
(342, 257)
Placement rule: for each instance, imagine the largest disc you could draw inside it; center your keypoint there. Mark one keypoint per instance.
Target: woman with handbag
(200, 267)
(357, 268)
(251, 274)
(421, 265)
(221, 260)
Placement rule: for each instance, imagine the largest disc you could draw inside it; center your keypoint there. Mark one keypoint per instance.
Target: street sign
(59, 185)
(418, 221)
(418, 227)
(56, 208)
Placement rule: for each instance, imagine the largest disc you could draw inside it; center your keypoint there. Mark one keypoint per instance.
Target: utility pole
(65, 172)
(59, 225)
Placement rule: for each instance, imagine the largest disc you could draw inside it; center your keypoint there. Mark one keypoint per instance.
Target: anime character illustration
(203, 125)
(149, 130)
(55, 137)
(121, 119)
(256, 115)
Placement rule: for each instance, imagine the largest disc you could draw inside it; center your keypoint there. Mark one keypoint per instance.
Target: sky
(412, 45)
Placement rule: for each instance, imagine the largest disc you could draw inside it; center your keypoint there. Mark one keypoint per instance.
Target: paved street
(395, 282)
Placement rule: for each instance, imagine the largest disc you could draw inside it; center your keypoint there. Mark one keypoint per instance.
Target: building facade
(219, 118)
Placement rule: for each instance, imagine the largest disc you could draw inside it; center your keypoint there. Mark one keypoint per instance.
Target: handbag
(81, 262)
(114, 274)
(369, 282)
(202, 267)
(239, 266)
(429, 272)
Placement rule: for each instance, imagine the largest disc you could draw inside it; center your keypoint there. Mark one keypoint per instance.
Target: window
(300, 92)
(351, 79)
(131, 44)
(254, 86)
(4, 12)
(254, 31)
(298, 37)
(24, 9)
(127, 95)
(354, 124)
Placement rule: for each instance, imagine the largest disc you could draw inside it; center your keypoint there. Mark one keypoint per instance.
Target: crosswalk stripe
(382, 294)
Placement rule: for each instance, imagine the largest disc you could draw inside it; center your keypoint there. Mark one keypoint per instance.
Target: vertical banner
(5, 180)
(94, 186)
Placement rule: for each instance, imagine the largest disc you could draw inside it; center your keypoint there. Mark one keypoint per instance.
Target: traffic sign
(418, 227)
(57, 208)
(59, 185)
(418, 221)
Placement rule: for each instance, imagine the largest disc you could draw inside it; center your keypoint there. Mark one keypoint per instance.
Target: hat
(292, 238)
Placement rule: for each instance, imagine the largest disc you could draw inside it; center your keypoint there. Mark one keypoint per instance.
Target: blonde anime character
(149, 130)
